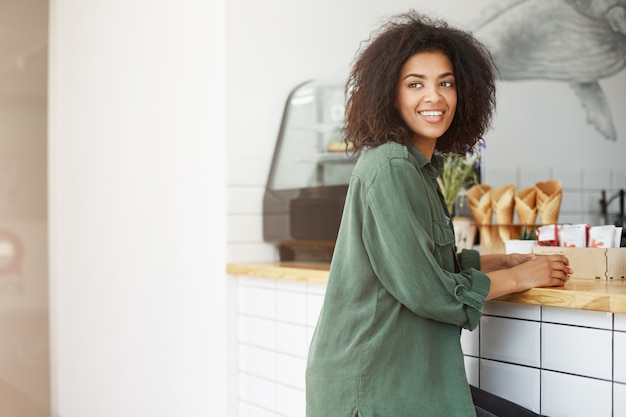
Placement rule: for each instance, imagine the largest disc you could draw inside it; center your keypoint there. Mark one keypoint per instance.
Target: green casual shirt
(387, 343)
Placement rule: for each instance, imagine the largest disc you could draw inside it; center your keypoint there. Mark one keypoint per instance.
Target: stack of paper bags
(502, 202)
(549, 196)
(479, 199)
(526, 205)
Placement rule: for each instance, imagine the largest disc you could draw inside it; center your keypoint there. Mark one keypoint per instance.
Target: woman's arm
(535, 271)
(495, 262)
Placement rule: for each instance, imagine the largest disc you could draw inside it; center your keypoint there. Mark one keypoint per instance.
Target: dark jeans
(489, 405)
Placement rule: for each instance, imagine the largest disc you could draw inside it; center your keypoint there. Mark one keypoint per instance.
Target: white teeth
(431, 113)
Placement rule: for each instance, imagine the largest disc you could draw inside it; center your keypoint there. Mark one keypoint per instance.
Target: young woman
(388, 339)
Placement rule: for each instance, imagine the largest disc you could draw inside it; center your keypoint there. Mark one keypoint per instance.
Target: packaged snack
(548, 235)
(574, 235)
(602, 236)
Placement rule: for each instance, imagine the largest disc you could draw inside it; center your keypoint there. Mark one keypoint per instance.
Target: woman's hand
(530, 271)
(544, 271)
(514, 259)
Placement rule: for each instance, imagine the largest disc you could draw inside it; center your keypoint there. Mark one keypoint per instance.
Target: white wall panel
(577, 350)
(575, 317)
(510, 340)
(565, 395)
(519, 384)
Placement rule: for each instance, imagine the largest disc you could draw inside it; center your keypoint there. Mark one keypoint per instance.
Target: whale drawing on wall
(573, 41)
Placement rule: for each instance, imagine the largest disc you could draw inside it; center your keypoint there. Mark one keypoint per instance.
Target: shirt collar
(431, 166)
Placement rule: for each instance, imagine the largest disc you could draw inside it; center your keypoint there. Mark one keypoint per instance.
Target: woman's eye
(415, 85)
(447, 84)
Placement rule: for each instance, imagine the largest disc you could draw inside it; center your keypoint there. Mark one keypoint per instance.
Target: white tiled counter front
(276, 319)
(560, 362)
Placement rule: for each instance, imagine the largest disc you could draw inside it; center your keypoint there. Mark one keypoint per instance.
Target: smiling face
(426, 98)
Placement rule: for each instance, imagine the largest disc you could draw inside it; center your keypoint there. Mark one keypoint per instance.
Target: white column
(136, 183)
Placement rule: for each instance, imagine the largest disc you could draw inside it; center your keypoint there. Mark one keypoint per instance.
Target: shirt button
(458, 291)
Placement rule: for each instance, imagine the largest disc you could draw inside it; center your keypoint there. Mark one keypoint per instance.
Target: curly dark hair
(371, 117)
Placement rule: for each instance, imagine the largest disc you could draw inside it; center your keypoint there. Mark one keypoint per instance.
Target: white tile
(244, 200)
(499, 177)
(577, 350)
(261, 302)
(590, 218)
(571, 178)
(620, 322)
(318, 288)
(258, 362)
(242, 299)
(243, 409)
(529, 176)
(291, 402)
(242, 329)
(291, 285)
(597, 319)
(262, 392)
(291, 307)
(292, 339)
(472, 370)
(242, 385)
(251, 252)
(591, 201)
(619, 358)
(244, 228)
(250, 410)
(242, 357)
(572, 218)
(309, 336)
(470, 341)
(290, 370)
(510, 340)
(619, 400)
(257, 332)
(518, 384)
(572, 201)
(314, 304)
(596, 178)
(262, 282)
(618, 181)
(513, 310)
(242, 280)
(565, 395)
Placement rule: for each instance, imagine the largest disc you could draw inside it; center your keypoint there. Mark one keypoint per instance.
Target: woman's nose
(432, 96)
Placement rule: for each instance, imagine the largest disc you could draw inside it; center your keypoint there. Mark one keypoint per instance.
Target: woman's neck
(426, 147)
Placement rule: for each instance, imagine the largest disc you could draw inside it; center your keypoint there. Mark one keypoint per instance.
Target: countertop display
(582, 294)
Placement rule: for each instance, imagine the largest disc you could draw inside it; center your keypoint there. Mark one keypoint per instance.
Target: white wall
(540, 126)
(136, 145)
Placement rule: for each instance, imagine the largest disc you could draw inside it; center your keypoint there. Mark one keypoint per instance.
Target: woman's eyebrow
(444, 75)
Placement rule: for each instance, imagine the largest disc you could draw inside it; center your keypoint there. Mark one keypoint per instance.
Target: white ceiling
(23, 48)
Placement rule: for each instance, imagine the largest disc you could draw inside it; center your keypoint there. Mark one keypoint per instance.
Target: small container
(519, 246)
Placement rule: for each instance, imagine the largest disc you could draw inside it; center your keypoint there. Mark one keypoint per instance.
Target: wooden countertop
(581, 294)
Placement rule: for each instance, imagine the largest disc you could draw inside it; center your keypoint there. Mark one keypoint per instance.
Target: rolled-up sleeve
(473, 297)
(469, 258)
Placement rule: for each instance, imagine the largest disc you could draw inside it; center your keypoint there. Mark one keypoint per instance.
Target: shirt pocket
(442, 234)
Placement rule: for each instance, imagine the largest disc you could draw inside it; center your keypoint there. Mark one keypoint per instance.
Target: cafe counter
(583, 294)
(557, 351)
